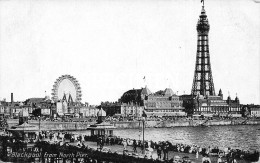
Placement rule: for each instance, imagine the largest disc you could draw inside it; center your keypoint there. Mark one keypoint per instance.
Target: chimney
(12, 98)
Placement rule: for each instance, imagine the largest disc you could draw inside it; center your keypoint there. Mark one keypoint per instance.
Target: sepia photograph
(129, 81)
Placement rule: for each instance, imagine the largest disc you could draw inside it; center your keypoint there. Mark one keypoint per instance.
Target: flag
(202, 1)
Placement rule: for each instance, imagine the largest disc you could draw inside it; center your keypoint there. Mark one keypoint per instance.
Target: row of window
(163, 110)
(214, 109)
(202, 38)
(203, 54)
(202, 42)
(204, 48)
(206, 61)
(163, 99)
(163, 104)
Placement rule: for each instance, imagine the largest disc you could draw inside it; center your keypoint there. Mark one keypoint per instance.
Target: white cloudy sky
(110, 45)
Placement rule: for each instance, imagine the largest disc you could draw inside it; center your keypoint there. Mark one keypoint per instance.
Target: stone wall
(49, 125)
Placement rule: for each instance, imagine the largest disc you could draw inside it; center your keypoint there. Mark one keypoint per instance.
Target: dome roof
(229, 98)
(101, 113)
(168, 92)
(146, 91)
(133, 95)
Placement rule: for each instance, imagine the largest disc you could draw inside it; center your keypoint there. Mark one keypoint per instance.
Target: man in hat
(206, 159)
(219, 159)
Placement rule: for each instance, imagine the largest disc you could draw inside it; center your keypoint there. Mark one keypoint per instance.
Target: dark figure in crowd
(165, 151)
(101, 144)
(159, 151)
(112, 141)
(98, 141)
(80, 138)
(134, 146)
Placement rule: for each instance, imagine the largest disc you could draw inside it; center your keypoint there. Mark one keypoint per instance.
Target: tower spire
(203, 80)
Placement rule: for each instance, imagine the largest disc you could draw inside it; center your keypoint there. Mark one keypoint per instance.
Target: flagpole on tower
(143, 120)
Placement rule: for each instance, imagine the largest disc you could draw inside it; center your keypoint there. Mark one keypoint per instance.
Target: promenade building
(10, 109)
(45, 106)
(209, 106)
(87, 110)
(255, 111)
(5, 109)
(251, 110)
(160, 104)
(122, 109)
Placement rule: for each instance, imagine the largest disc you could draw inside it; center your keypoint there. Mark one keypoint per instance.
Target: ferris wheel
(66, 85)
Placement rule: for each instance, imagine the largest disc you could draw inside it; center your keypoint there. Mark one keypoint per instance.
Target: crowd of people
(161, 148)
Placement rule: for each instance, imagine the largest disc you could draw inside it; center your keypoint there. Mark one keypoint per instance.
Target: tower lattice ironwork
(203, 80)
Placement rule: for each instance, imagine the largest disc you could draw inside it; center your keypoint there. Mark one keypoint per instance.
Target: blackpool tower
(203, 81)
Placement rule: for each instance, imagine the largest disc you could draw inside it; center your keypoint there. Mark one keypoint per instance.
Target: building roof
(101, 113)
(131, 95)
(168, 92)
(36, 100)
(146, 91)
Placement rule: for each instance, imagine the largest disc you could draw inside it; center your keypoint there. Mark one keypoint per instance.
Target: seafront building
(158, 104)
(133, 102)
(251, 110)
(70, 109)
(47, 108)
(209, 106)
(130, 109)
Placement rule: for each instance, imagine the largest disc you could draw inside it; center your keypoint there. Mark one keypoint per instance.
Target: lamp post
(39, 124)
(143, 119)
